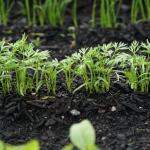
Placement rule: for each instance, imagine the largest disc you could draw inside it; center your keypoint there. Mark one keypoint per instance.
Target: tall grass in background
(108, 13)
(5, 7)
(74, 13)
(35, 12)
(140, 11)
(147, 6)
(48, 11)
(93, 20)
(55, 10)
(137, 11)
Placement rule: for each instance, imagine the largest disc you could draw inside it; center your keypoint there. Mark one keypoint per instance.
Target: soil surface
(121, 117)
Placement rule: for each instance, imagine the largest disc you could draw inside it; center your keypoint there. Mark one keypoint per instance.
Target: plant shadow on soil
(121, 118)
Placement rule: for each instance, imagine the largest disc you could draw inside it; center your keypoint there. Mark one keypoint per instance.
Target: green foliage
(35, 11)
(47, 11)
(93, 20)
(55, 10)
(139, 75)
(135, 66)
(140, 10)
(108, 14)
(5, 8)
(94, 71)
(74, 13)
(82, 136)
(147, 5)
(17, 61)
(24, 69)
(49, 75)
(32, 145)
(136, 10)
(68, 67)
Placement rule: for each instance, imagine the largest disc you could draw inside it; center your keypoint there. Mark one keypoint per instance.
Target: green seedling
(20, 59)
(27, 59)
(146, 49)
(35, 11)
(68, 67)
(134, 66)
(28, 11)
(21, 80)
(27, 69)
(147, 5)
(138, 9)
(5, 8)
(48, 11)
(108, 14)
(139, 75)
(74, 13)
(49, 75)
(93, 20)
(55, 10)
(6, 67)
(40, 12)
(94, 71)
(32, 145)
(82, 136)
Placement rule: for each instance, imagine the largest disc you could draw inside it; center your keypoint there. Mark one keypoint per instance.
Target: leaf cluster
(48, 11)
(94, 69)
(21, 67)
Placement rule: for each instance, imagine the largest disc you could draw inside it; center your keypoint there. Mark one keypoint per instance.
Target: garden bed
(120, 116)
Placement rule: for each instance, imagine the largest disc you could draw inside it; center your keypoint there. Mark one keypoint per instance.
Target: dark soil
(121, 118)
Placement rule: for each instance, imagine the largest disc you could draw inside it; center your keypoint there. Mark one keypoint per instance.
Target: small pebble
(113, 108)
(75, 112)
(103, 138)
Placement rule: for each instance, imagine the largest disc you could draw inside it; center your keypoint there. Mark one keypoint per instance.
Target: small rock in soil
(113, 108)
(75, 112)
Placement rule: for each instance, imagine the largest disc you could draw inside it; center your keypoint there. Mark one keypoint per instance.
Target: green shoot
(5, 8)
(93, 21)
(147, 5)
(35, 11)
(83, 135)
(67, 66)
(30, 70)
(49, 75)
(108, 16)
(55, 10)
(139, 76)
(31, 145)
(94, 71)
(74, 13)
(40, 13)
(28, 13)
(136, 9)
